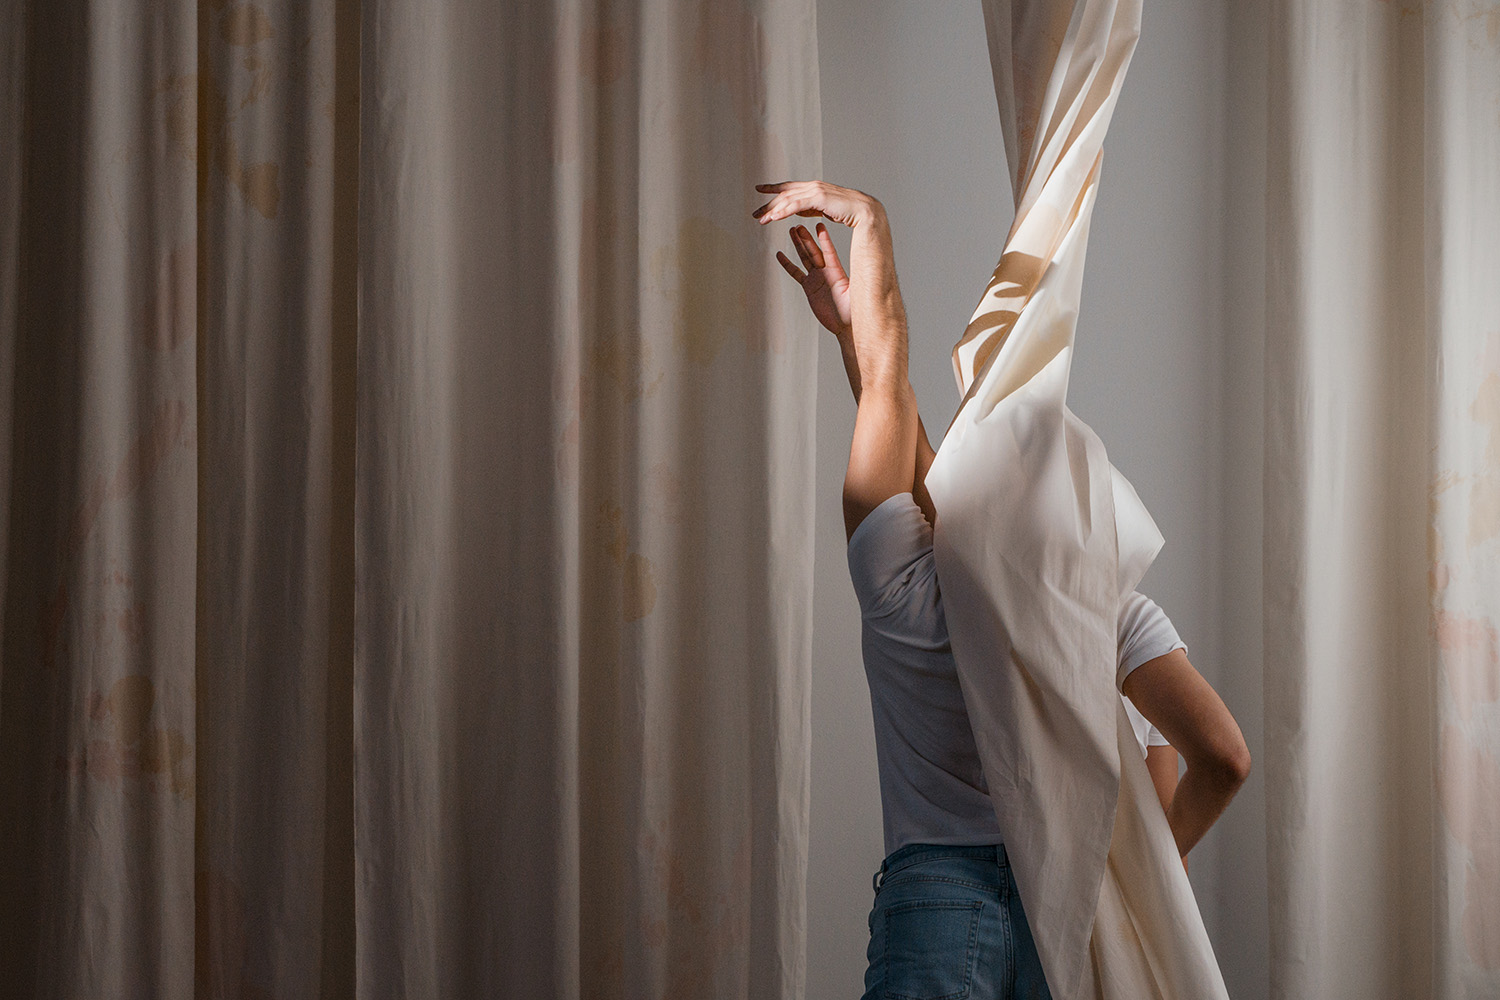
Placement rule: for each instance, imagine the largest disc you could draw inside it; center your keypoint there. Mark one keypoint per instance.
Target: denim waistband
(911, 854)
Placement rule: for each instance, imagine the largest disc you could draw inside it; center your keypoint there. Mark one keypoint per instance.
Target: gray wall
(1167, 370)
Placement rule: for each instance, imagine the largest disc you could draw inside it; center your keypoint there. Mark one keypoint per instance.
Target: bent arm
(829, 294)
(883, 454)
(1193, 718)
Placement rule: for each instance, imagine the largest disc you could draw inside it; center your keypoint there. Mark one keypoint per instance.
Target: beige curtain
(405, 469)
(1382, 491)
(583, 501)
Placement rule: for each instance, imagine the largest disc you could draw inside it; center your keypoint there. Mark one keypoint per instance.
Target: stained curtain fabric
(1038, 538)
(405, 468)
(584, 500)
(1382, 500)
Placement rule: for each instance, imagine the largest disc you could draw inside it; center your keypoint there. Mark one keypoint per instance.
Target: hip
(947, 924)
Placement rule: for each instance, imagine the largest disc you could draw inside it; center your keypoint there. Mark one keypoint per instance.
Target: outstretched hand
(845, 206)
(825, 283)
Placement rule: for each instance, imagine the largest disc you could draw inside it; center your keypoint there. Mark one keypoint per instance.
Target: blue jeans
(948, 925)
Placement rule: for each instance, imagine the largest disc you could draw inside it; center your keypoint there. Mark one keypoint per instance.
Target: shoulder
(890, 558)
(1145, 632)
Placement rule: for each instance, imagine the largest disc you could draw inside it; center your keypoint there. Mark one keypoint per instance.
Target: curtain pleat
(265, 158)
(97, 695)
(585, 444)
(1382, 476)
(460, 652)
(1461, 215)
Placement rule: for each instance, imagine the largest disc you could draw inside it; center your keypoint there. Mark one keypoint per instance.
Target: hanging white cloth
(1038, 538)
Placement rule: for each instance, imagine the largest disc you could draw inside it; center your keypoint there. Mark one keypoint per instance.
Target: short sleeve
(1146, 735)
(890, 555)
(1145, 632)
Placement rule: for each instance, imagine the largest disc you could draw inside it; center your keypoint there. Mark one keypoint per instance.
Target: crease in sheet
(1039, 538)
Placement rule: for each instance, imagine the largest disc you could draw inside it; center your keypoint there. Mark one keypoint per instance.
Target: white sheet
(1039, 537)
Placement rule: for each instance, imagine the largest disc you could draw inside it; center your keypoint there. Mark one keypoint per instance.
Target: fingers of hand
(764, 213)
(790, 268)
(807, 248)
(806, 198)
(780, 207)
(830, 252)
(825, 242)
(792, 198)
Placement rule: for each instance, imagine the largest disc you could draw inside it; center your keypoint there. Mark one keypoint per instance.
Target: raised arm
(882, 456)
(828, 290)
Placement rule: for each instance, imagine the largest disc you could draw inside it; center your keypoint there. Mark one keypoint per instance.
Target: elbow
(1223, 765)
(1230, 766)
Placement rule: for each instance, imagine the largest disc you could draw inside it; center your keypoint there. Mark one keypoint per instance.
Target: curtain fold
(1039, 538)
(268, 656)
(517, 703)
(584, 451)
(97, 700)
(1382, 487)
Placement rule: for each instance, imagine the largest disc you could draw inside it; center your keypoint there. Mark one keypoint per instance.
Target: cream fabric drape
(515, 705)
(1382, 491)
(1038, 538)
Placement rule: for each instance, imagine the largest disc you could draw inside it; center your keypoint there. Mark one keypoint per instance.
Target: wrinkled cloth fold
(1038, 539)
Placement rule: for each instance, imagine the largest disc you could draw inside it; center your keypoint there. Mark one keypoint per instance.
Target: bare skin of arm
(1161, 763)
(827, 287)
(1193, 718)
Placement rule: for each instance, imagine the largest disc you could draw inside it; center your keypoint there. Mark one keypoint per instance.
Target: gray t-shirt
(932, 788)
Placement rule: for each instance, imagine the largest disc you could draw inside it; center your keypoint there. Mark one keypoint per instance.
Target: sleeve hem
(1143, 656)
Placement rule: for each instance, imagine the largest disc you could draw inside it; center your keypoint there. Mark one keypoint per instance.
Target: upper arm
(891, 566)
(1189, 713)
(882, 455)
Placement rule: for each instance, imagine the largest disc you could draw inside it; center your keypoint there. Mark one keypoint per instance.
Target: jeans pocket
(929, 948)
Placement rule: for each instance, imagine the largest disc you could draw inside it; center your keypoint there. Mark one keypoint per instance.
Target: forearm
(1202, 795)
(877, 316)
(924, 459)
(851, 363)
